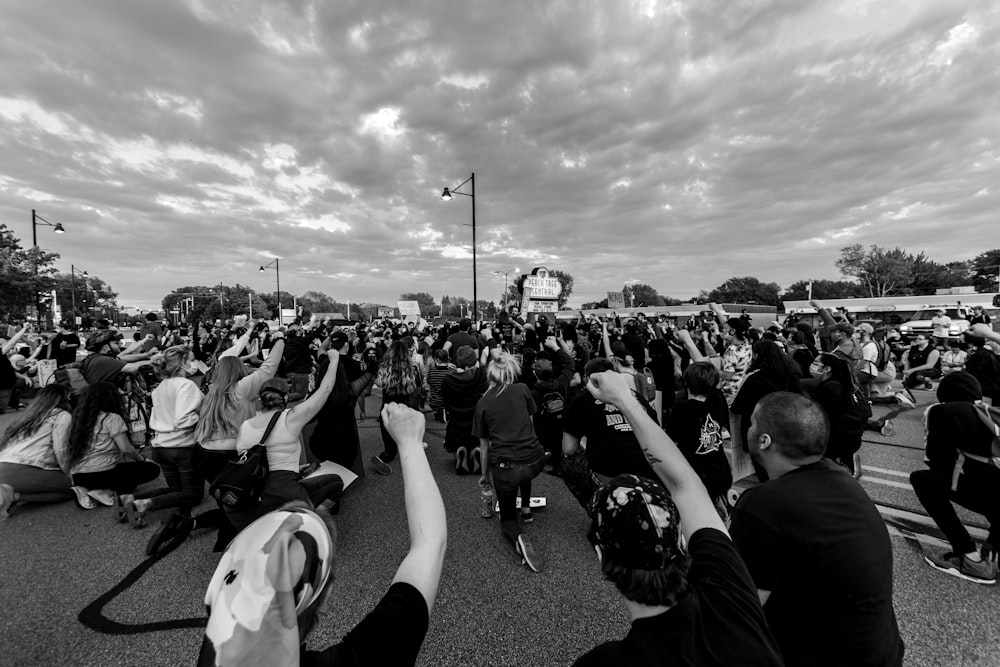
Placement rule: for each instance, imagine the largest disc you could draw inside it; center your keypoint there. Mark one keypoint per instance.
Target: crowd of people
(634, 414)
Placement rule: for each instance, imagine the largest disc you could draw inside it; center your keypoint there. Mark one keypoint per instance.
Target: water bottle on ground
(486, 495)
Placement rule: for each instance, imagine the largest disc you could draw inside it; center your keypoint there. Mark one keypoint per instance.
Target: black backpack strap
(270, 427)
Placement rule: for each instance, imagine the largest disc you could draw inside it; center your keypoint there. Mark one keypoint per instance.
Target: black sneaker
(526, 515)
(980, 572)
(380, 466)
(170, 533)
(527, 553)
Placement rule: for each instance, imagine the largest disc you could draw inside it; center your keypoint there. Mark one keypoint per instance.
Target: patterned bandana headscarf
(636, 524)
(271, 573)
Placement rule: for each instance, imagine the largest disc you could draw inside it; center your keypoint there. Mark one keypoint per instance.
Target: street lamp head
(446, 195)
(85, 274)
(59, 228)
(262, 268)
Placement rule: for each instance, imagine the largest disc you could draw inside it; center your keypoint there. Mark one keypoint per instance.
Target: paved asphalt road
(58, 561)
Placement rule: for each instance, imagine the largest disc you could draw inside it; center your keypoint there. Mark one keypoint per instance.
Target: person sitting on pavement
(176, 401)
(921, 364)
(33, 465)
(512, 456)
(954, 358)
(815, 544)
(954, 426)
(689, 605)
(274, 578)
(103, 462)
(880, 390)
(460, 392)
(284, 448)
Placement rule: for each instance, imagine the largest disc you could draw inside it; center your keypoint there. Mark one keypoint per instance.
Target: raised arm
(9, 345)
(303, 413)
(689, 494)
(425, 515)
(240, 343)
(824, 313)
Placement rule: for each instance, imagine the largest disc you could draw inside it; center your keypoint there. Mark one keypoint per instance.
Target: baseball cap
(465, 357)
(338, 339)
(636, 523)
(867, 328)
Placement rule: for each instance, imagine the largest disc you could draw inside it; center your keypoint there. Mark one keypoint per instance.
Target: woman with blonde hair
(401, 381)
(509, 449)
(176, 401)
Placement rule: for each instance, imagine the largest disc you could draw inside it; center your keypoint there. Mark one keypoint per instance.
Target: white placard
(616, 299)
(46, 371)
(331, 468)
(408, 308)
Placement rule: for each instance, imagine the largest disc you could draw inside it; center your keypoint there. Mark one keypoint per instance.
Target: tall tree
(640, 294)
(90, 294)
(822, 289)
(928, 275)
(24, 273)
(880, 271)
(745, 289)
(567, 285)
(986, 271)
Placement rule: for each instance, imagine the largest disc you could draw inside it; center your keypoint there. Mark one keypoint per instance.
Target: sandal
(136, 518)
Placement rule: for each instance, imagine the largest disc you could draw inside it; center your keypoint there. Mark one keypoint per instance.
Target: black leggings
(123, 478)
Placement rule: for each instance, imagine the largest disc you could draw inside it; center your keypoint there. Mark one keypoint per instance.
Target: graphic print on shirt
(711, 436)
(616, 419)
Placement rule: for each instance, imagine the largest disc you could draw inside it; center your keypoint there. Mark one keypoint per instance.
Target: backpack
(884, 355)
(552, 406)
(645, 386)
(857, 414)
(990, 416)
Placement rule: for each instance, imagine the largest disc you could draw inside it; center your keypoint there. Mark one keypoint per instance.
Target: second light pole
(277, 279)
(447, 196)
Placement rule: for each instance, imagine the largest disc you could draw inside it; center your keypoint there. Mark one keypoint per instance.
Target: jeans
(123, 478)
(185, 485)
(977, 490)
(507, 482)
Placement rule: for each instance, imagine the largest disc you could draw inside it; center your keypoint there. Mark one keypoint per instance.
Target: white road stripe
(977, 533)
(887, 482)
(884, 471)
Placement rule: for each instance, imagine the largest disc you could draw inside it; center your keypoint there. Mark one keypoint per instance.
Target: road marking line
(919, 537)
(887, 482)
(884, 471)
(926, 521)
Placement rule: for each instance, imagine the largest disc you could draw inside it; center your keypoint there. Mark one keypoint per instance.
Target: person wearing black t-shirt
(693, 606)
(284, 563)
(815, 544)
(612, 448)
(64, 345)
(698, 433)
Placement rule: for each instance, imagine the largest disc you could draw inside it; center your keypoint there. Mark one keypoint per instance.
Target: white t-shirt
(869, 358)
(283, 449)
(103, 454)
(942, 326)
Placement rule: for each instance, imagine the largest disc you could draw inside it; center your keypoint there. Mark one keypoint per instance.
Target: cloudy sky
(675, 143)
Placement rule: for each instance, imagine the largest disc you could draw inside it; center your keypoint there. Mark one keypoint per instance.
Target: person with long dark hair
(336, 437)
(33, 449)
(103, 461)
(401, 382)
(836, 394)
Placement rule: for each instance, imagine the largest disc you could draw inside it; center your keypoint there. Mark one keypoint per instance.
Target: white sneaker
(904, 400)
(104, 496)
(83, 498)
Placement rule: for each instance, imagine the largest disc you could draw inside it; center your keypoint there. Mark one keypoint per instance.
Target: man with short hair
(815, 544)
(64, 345)
(921, 364)
(461, 338)
(103, 364)
(941, 328)
(979, 316)
(693, 605)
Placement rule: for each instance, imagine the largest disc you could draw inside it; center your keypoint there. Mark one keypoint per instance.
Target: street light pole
(277, 278)
(58, 228)
(447, 196)
(506, 295)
